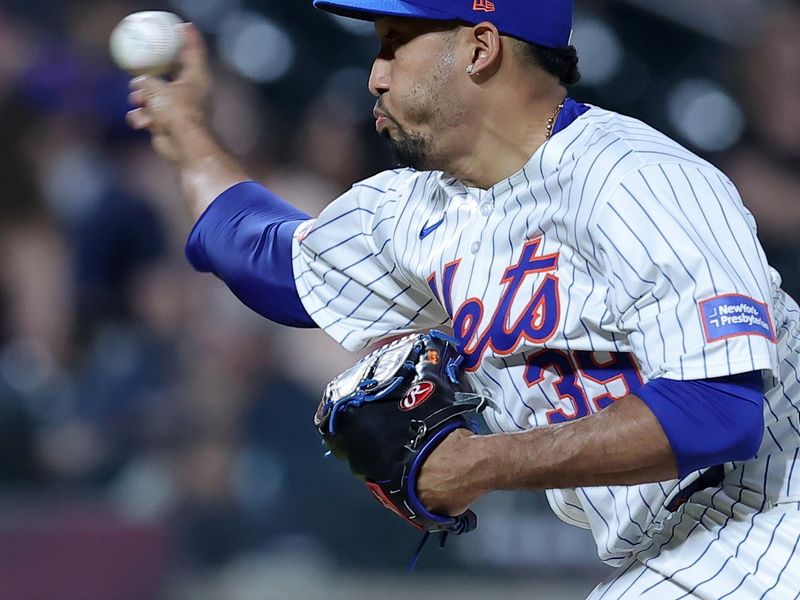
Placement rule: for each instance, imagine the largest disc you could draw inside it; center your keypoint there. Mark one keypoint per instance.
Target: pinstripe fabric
(718, 546)
(643, 231)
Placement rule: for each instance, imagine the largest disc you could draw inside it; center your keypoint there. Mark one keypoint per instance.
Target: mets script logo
(536, 323)
(416, 395)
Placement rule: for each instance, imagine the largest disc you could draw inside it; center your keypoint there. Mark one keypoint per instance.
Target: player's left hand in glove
(386, 414)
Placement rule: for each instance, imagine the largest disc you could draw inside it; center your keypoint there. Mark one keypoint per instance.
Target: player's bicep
(678, 250)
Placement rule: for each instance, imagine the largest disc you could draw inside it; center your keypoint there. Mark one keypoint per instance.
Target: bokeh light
(255, 47)
(705, 115)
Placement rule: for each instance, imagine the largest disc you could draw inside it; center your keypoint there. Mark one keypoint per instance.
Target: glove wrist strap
(459, 524)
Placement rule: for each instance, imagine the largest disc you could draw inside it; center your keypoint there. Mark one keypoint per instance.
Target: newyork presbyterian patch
(731, 315)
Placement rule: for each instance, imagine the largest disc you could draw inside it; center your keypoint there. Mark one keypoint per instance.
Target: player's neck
(506, 136)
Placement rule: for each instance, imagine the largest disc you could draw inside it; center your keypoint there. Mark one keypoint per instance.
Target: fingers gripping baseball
(193, 66)
(170, 109)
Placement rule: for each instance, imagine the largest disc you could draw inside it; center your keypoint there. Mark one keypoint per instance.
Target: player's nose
(380, 77)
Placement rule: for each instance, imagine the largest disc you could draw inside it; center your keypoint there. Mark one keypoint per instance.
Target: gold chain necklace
(552, 120)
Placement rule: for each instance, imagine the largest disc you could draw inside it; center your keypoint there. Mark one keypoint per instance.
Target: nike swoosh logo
(429, 229)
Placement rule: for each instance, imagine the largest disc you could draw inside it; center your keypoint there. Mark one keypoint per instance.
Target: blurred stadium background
(155, 436)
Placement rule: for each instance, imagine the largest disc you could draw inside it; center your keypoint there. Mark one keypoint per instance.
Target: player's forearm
(668, 429)
(206, 169)
(177, 115)
(622, 445)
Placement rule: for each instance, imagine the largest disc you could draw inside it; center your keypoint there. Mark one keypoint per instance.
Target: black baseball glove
(386, 414)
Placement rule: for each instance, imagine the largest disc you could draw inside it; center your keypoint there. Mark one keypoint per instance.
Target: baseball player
(606, 285)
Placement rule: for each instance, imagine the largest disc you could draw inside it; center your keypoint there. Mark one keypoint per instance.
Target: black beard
(410, 150)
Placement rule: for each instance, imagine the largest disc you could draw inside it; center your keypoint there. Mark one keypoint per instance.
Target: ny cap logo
(484, 5)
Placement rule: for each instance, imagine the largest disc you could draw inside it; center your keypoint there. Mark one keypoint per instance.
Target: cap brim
(368, 10)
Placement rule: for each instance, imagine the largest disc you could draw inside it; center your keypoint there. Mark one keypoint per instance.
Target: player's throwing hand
(177, 114)
(171, 110)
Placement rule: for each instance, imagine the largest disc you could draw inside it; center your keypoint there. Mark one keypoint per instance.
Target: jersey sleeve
(346, 272)
(688, 283)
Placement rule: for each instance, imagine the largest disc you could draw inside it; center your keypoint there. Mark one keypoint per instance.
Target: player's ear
(486, 51)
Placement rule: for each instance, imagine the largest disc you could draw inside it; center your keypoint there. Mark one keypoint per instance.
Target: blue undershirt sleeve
(708, 421)
(245, 238)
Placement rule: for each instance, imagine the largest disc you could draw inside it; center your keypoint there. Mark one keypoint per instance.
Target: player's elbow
(733, 436)
(748, 434)
(709, 422)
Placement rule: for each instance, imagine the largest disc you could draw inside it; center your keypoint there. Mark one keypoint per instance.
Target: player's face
(413, 77)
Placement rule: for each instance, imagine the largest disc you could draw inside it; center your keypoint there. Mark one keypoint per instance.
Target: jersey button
(475, 247)
(486, 209)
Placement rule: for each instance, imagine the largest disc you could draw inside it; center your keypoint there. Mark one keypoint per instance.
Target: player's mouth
(382, 119)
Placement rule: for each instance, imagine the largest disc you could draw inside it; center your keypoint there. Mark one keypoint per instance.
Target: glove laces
(463, 524)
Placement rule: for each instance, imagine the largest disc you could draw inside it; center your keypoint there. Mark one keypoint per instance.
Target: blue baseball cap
(544, 22)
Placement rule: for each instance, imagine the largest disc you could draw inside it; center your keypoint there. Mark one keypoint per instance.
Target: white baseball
(147, 43)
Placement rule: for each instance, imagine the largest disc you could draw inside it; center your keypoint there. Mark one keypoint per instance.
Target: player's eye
(393, 39)
(386, 49)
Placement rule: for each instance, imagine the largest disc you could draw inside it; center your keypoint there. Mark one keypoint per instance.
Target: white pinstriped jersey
(615, 256)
